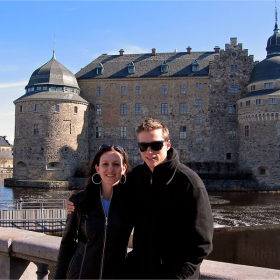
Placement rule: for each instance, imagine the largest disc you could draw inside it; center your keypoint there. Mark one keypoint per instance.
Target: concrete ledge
(21, 249)
(228, 271)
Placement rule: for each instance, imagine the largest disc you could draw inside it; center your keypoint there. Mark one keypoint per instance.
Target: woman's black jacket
(99, 248)
(173, 225)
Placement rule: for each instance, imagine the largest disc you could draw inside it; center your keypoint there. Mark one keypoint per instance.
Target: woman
(95, 238)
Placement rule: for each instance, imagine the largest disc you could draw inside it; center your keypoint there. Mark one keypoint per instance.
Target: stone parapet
(30, 255)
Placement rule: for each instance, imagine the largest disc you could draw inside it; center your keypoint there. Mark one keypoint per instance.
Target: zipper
(105, 235)
(85, 248)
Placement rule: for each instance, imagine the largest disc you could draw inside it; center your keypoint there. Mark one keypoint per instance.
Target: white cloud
(14, 84)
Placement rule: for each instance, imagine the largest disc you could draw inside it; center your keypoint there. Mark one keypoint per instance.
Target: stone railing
(30, 255)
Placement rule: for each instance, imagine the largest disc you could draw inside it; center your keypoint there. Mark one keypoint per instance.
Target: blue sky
(83, 30)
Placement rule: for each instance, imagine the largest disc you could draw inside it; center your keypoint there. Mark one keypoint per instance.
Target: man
(173, 224)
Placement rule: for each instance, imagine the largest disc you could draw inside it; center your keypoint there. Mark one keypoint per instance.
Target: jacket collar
(164, 172)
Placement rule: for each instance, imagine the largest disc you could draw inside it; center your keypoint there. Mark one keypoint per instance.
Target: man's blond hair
(152, 124)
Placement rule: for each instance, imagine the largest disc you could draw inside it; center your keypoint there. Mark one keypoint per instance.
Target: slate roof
(260, 93)
(268, 69)
(56, 95)
(53, 73)
(148, 65)
(4, 142)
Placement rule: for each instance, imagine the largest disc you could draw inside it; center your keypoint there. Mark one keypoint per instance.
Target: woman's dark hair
(102, 150)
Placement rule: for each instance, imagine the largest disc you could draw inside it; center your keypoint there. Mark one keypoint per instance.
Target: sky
(80, 31)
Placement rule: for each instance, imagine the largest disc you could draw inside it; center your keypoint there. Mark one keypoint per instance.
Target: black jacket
(101, 247)
(173, 226)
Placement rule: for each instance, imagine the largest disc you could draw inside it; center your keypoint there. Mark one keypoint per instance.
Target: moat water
(229, 208)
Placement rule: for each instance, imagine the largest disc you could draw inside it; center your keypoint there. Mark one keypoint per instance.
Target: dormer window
(131, 68)
(195, 66)
(164, 67)
(99, 69)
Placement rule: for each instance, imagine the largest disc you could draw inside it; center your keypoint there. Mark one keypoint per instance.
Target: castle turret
(51, 122)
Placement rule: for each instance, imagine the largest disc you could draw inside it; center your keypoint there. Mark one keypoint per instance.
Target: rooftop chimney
(121, 52)
(154, 51)
(217, 49)
(189, 49)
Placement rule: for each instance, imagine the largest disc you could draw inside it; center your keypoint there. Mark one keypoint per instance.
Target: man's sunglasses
(155, 145)
(110, 145)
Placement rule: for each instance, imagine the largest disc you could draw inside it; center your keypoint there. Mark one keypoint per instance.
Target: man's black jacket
(173, 222)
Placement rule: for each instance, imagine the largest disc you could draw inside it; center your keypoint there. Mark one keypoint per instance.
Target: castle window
(258, 101)
(20, 108)
(183, 152)
(246, 130)
(123, 109)
(99, 69)
(75, 109)
(198, 120)
(182, 88)
(240, 104)
(198, 86)
(57, 108)
(232, 134)
(231, 109)
(228, 155)
(164, 67)
(98, 109)
(268, 85)
(53, 88)
(271, 100)
(54, 166)
(164, 109)
(21, 165)
(233, 68)
(36, 108)
(234, 89)
(123, 90)
(278, 129)
(123, 132)
(195, 66)
(183, 108)
(66, 129)
(36, 128)
(131, 68)
(45, 88)
(59, 88)
(183, 132)
(138, 90)
(137, 109)
(198, 140)
(198, 102)
(30, 89)
(247, 103)
(98, 132)
(164, 89)
(253, 88)
(38, 88)
(99, 91)
(234, 54)
(262, 171)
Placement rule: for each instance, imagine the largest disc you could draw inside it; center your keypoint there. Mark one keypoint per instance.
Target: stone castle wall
(57, 147)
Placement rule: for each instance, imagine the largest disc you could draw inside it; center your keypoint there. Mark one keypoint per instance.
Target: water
(229, 208)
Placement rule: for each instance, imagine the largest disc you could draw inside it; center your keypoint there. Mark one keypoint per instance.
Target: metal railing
(20, 204)
(44, 215)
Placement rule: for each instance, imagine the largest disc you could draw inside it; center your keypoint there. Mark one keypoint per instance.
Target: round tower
(50, 126)
(259, 118)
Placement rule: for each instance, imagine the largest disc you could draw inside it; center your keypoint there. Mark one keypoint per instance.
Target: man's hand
(70, 206)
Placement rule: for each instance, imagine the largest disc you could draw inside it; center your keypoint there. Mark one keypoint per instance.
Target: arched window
(21, 165)
(195, 66)
(131, 68)
(99, 69)
(262, 171)
(164, 67)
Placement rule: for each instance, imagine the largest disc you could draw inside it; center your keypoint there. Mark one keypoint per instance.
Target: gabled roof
(4, 142)
(148, 65)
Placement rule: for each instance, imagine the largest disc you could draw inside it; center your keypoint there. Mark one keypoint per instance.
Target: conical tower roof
(53, 73)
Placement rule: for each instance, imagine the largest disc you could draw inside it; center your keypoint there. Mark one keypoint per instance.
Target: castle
(221, 106)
